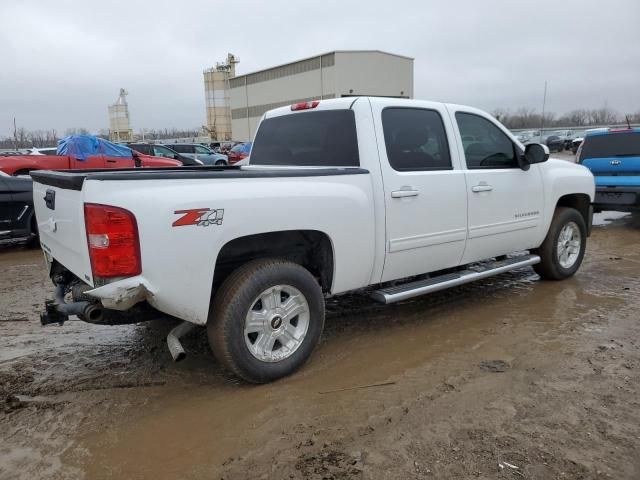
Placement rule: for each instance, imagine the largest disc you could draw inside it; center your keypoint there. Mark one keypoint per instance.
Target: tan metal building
(330, 75)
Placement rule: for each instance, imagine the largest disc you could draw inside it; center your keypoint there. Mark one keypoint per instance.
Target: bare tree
(76, 131)
(576, 118)
(602, 116)
(501, 114)
(633, 117)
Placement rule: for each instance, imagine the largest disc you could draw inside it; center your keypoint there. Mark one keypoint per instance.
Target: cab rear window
(622, 144)
(325, 138)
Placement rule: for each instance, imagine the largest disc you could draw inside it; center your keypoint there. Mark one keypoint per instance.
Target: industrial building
(119, 122)
(330, 75)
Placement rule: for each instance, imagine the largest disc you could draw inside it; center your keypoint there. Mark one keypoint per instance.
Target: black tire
(221, 163)
(231, 304)
(549, 267)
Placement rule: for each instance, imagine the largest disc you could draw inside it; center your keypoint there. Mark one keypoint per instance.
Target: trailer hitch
(51, 314)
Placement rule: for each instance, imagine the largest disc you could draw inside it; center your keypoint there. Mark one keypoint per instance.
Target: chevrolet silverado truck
(393, 198)
(83, 152)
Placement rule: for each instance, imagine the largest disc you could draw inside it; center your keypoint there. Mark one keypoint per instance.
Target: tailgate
(614, 166)
(60, 215)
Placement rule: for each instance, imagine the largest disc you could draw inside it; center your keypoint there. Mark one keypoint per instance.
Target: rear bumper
(103, 306)
(623, 199)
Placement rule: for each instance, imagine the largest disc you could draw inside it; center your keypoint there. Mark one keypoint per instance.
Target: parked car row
(556, 140)
(84, 152)
(109, 155)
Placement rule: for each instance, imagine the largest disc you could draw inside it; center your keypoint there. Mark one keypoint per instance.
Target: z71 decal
(202, 217)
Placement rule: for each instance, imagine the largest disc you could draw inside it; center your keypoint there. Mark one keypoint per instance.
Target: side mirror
(535, 153)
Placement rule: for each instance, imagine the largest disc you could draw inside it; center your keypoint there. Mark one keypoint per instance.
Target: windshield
(625, 144)
(319, 138)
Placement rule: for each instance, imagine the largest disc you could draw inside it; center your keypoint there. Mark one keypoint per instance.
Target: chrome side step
(475, 272)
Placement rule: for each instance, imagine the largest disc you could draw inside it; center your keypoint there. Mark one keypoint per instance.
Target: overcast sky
(62, 63)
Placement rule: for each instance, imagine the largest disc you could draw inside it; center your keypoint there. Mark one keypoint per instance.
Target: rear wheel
(266, 319)
(221, 163)
(563, 249)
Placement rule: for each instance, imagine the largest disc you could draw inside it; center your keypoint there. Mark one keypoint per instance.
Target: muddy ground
(507, 378)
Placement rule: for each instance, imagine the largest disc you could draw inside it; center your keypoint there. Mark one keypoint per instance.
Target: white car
(339, 195)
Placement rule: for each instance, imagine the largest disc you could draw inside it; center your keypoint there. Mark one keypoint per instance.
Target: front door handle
(404, 193)
(482, 188)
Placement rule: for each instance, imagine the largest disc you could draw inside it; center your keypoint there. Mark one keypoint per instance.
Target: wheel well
(23, 171)
(310, 248)
(578, 201)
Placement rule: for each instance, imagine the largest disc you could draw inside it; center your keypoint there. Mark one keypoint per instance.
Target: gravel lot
(507, 378)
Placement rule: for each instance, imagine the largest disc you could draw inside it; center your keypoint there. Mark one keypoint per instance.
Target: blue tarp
(82, 146)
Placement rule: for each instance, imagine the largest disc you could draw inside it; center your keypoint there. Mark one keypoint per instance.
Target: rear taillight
(112, 235)
(305, 105)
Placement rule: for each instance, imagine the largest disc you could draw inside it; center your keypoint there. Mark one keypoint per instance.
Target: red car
(238, 152)
(83, 152)
(23, 164)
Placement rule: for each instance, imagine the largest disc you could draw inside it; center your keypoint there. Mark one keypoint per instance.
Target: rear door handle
(404, 193)
(481, 188)
(111, 161)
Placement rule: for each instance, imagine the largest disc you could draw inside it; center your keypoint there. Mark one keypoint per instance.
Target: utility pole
(15, 135)
(544, 102)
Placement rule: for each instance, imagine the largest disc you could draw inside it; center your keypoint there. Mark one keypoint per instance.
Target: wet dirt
(506, 378)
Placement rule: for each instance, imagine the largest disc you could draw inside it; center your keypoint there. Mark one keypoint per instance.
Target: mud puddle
(397, 391)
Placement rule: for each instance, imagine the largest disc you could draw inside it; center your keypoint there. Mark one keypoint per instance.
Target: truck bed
(74, 179)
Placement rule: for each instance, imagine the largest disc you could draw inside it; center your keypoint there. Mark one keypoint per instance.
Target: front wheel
(563, 249)
(221, 163)
(266, 319)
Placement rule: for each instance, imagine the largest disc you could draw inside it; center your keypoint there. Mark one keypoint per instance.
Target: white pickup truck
(395, 197)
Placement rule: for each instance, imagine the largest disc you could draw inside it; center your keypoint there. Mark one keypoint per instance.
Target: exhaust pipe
(92, 313)
(173, 340)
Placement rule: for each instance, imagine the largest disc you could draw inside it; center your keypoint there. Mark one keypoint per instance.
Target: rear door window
(181, 148)
(145, 149)
(415, 139)
(325, 138)
(621, 144)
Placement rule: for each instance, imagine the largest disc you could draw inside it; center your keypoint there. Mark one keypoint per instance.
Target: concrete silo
(119, 125)
(216, 89)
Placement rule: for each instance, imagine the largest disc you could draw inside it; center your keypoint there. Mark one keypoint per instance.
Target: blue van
(613, 156)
